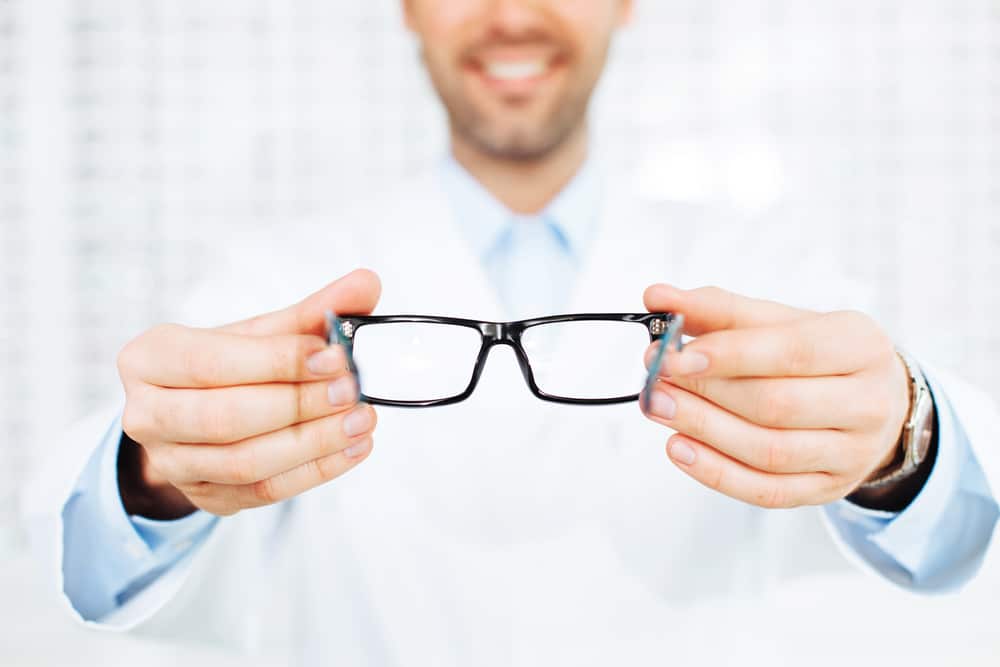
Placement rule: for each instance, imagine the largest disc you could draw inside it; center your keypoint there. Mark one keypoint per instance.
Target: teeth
(512, 71)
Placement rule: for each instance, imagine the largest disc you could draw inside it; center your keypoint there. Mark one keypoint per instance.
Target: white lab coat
(503, 530)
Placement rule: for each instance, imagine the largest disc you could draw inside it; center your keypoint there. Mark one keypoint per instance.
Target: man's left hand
(774, 405)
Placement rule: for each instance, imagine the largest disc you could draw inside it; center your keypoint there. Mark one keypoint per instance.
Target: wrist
(897, 496)
(143, 492)
(895, 452)
(899, 479)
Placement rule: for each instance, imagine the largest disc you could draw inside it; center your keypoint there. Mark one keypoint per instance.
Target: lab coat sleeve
(200, 594)
(200, 598)
(944, 539)
(108, 556)
(54, 494)
(939, 541)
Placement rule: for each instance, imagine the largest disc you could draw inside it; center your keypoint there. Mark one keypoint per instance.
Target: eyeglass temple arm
(671, 336)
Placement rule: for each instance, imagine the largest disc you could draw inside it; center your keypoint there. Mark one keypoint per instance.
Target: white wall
(133, 134)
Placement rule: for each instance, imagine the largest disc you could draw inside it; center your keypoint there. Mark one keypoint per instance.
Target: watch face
(923, 427)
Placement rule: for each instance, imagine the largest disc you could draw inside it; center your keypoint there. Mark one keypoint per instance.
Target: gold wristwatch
(918, 432)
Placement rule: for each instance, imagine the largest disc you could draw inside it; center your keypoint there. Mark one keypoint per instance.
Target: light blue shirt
(935, 544)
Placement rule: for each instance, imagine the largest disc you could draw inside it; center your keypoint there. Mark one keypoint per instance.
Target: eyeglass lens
(415, 361)
(596, 359)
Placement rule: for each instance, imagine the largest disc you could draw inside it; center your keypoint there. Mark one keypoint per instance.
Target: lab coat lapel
(635, 245)
(427, 267)
(620, 262)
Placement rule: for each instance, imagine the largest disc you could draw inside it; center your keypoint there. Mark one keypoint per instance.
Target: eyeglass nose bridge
(501, 333)
(505, 333)
(493, 332)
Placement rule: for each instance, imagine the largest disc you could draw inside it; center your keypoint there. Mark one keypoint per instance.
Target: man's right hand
(243, 415)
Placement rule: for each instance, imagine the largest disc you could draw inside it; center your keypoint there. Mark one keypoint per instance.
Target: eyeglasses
(423, 361)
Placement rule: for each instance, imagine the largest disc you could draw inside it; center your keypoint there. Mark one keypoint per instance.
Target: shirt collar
(482, 219)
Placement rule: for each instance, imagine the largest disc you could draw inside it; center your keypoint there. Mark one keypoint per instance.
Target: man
(506, 530)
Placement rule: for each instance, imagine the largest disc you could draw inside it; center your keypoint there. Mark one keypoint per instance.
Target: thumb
(355, 293)
(709, 309)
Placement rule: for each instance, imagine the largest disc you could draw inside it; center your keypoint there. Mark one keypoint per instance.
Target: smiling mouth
(516, 77)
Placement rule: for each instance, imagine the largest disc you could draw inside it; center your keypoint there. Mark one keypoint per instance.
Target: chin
(520, 139)
(519, 147)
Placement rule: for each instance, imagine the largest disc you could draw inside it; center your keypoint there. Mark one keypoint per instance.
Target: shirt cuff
(109, 557)
(142, 538)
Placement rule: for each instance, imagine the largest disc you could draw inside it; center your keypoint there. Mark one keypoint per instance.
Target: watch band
(918, 431)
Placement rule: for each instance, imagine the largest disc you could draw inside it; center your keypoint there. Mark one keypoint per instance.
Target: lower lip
(521, 87)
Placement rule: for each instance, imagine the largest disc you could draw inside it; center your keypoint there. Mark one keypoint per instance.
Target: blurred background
(134, 135)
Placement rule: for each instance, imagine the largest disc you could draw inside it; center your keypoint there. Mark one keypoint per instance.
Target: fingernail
(358, 448)
(327, 361)
(689, 363)
(342, 391)
(681, 452)
(358, 421)
(662, 406)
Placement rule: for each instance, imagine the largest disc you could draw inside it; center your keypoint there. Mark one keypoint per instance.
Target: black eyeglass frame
(344, 328)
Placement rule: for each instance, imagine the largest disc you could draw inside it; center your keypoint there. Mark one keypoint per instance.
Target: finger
(355, 293)
(736, 480)
(829, 344)
(311, 474)
(230, 414)
(713, 309)
(225, 499)
(265, 456)
(181, 357)
(834, 402)
(766, 449)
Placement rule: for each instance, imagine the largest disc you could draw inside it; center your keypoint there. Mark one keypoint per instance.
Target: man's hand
(244, 415)
(773, 405)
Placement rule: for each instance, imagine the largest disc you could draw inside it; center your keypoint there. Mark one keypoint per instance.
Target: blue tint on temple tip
(672, 333)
